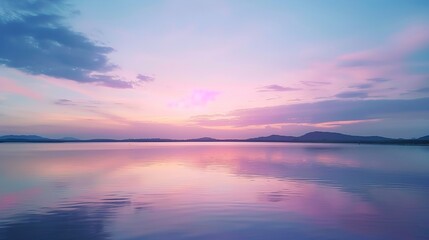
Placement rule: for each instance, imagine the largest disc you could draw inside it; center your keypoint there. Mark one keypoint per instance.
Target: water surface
(213, 191)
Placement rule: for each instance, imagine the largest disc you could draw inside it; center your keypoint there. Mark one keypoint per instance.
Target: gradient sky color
(225, 69)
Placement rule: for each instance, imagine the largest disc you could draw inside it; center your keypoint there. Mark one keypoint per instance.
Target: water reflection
(80, 221)
(213, 191)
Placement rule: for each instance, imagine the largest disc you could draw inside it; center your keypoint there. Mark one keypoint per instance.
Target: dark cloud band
(35, 40)
(321, 112)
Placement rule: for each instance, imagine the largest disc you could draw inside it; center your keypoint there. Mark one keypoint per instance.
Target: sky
(218, 68)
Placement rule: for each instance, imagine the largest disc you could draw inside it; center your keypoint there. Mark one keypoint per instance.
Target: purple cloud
(144, 78)
(277, 88)
(352, 94)
(378, 80)
(64, 102)
(422, 90)
(373, 81)
(362, 86)
(359, 63)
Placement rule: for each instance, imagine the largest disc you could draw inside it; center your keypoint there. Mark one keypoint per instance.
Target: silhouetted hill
(320, 137)
(339, 137)
(273, 138)
(425, 138)
(203, 139)
(23, 138)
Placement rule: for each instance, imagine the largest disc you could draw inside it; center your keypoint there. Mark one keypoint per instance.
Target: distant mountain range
(425, 138)
(314, 137)
(23, 137)
(321, 137)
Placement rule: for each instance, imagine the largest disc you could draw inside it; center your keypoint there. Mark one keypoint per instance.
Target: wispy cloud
(422, 90)
(362, 86)
(144, 78)
(65, 102)
(86, 104)
(94, 107)
(401, 46)
(378, 80)
(34, 39)
(352, 94)
(372, 82)
(314, 83)
(11, 87)
(277, 88)
(392, 64)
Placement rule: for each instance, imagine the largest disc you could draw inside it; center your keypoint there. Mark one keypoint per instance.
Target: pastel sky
(219, 68)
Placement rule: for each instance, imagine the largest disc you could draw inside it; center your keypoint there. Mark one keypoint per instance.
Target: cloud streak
(11, 87)
(422, 90)
(277, 88)
(144, 78)
(352, 94)
(378, 80)
(315, 83)
(371, 84)
(362, 86)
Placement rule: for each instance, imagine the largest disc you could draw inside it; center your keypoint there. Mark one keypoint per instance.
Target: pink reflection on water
(182, 185)
(319, 202)
(11, 200)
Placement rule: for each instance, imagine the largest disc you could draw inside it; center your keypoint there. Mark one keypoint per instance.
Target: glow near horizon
(229, 69)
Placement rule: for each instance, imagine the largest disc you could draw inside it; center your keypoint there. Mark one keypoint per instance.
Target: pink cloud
(198, 98)
(389, 61)
(401, 45)
(412, 39)
(11, 87)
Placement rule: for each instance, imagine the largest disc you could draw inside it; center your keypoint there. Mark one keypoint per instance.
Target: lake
(213, 191)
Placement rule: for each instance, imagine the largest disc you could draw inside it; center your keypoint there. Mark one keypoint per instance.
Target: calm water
(213, 191)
